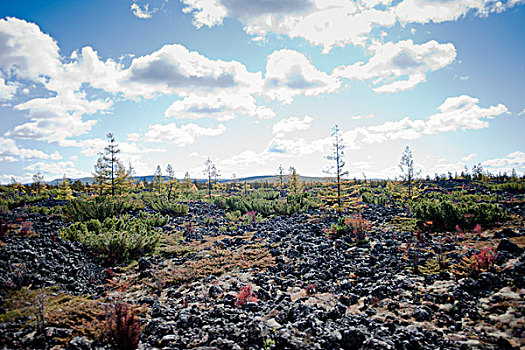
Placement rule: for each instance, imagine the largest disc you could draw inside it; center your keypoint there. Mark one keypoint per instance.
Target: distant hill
(250, 179)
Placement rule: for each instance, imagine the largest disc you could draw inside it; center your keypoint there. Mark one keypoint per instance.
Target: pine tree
(337, 155)
(172, 181)
(295, 185)
(157, 179)
(110, 174)
(211, 171)
(407, 167)
(37, 182)
(187, 181)
(281, 177)
(64, 190)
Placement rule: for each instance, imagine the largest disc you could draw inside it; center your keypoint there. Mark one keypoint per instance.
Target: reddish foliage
(478, 230)
(245, 295)
(26, 226)
(123, 326)
(311, 289)
(485, 259)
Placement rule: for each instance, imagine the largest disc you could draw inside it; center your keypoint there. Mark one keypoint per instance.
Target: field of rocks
(266, 269)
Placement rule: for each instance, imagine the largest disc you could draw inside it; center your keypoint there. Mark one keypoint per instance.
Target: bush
(116, 239)
(293, 204)
(163, 206)
(101, 208)
(123, 326)
(447, 214)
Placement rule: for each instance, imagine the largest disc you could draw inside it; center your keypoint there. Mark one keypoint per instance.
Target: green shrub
(116, 239)
(293, 204)
(101, 208)
(163, 206)
(446, 214)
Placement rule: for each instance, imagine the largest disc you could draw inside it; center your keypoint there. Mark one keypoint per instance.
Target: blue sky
(256, 84)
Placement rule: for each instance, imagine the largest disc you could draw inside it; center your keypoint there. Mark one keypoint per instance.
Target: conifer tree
(407, 167)
(337, 155)
(157, 179)
(172, 181)
(187, 180)
(211, 171)
(295, 185)
(110, 174)
(281, 177)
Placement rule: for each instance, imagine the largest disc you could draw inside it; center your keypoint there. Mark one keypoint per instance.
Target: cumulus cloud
(469, 157)
(141, 12)
(461, 112)
(7, 90)
(364, 116)
(334, 23)
(290, 73)
(57, 169)
(291, 124)
(219, 106)
(10, 152)
(180, 135)
(205, 12)
(399, 66)
(514, 160)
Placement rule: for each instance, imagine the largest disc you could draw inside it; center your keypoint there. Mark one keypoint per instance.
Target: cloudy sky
(254, 84)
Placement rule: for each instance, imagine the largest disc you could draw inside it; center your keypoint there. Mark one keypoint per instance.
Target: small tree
(281, 176)
(109, 173)
(337, 155)
(64, 190)
(407, 167)
(37, 181)
(295, 185)
(211, 171)
(172, 181)
(187, 180)
(157, 179)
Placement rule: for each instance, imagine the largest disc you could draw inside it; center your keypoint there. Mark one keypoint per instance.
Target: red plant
(484, 261)
(358, 226)
(26, 226)
(123, 326)
(245, 295)
(252, 216)
(311, 289)
(459, 232)
(478, 230)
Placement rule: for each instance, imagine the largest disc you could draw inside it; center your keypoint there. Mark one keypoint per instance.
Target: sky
(257, 84)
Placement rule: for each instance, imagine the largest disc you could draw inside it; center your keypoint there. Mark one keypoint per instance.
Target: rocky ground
(301, 290)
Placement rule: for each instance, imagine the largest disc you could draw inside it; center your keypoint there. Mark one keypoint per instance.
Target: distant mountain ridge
(249, 179)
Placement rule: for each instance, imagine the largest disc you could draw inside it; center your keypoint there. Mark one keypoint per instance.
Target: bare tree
(281, 176)
(337, 155)
(407, 167)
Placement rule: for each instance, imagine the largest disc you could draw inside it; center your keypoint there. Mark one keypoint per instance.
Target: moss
(84, 316)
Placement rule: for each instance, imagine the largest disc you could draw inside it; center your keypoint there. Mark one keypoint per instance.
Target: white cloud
(10, 152)
(399, 66)
(335, 22)
(133, 137)
(462, 112)
(522, 112)
(364, 116)
(425, 11)
(514, 160)
(469, 158)
(205, 12)
(141, 12)
(57, 169)
(7, 90)
(180, 136)
(290, 74)
(291, 124)
(219, 106)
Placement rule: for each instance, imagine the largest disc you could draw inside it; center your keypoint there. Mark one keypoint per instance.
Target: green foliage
(446, 214)
(101, 207)
(115, 239)
(163, 206)
(233, 215)
(293, 204)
